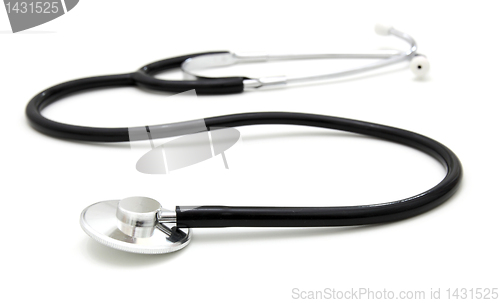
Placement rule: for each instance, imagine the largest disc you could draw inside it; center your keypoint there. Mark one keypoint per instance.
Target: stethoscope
(141, 225)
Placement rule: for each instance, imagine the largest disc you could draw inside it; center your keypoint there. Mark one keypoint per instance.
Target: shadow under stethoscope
(203, 237)
(111, 256)
(213, 236)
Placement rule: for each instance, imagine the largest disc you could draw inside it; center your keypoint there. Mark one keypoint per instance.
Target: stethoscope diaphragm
(106, 223)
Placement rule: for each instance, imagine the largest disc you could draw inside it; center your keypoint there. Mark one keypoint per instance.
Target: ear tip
(419, 65)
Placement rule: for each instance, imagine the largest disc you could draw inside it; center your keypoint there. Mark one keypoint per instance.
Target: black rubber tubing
(228, 216)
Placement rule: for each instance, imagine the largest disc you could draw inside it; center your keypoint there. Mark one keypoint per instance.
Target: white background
(46, 182)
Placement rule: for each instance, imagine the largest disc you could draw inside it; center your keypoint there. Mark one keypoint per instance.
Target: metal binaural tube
(387, 57)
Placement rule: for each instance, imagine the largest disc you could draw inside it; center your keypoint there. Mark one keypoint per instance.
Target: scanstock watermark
(26, 14)
(474, 293)
(194, 143)
(164, 148)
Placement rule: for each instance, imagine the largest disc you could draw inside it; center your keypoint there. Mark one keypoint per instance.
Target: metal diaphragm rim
(100, 223)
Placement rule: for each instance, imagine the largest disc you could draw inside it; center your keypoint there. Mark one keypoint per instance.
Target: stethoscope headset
(141, 225)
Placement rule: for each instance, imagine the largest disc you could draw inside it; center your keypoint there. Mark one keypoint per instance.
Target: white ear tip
(420, 66)
(382, 29)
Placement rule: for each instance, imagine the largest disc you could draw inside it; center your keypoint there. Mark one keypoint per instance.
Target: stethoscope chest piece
(136, 224)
